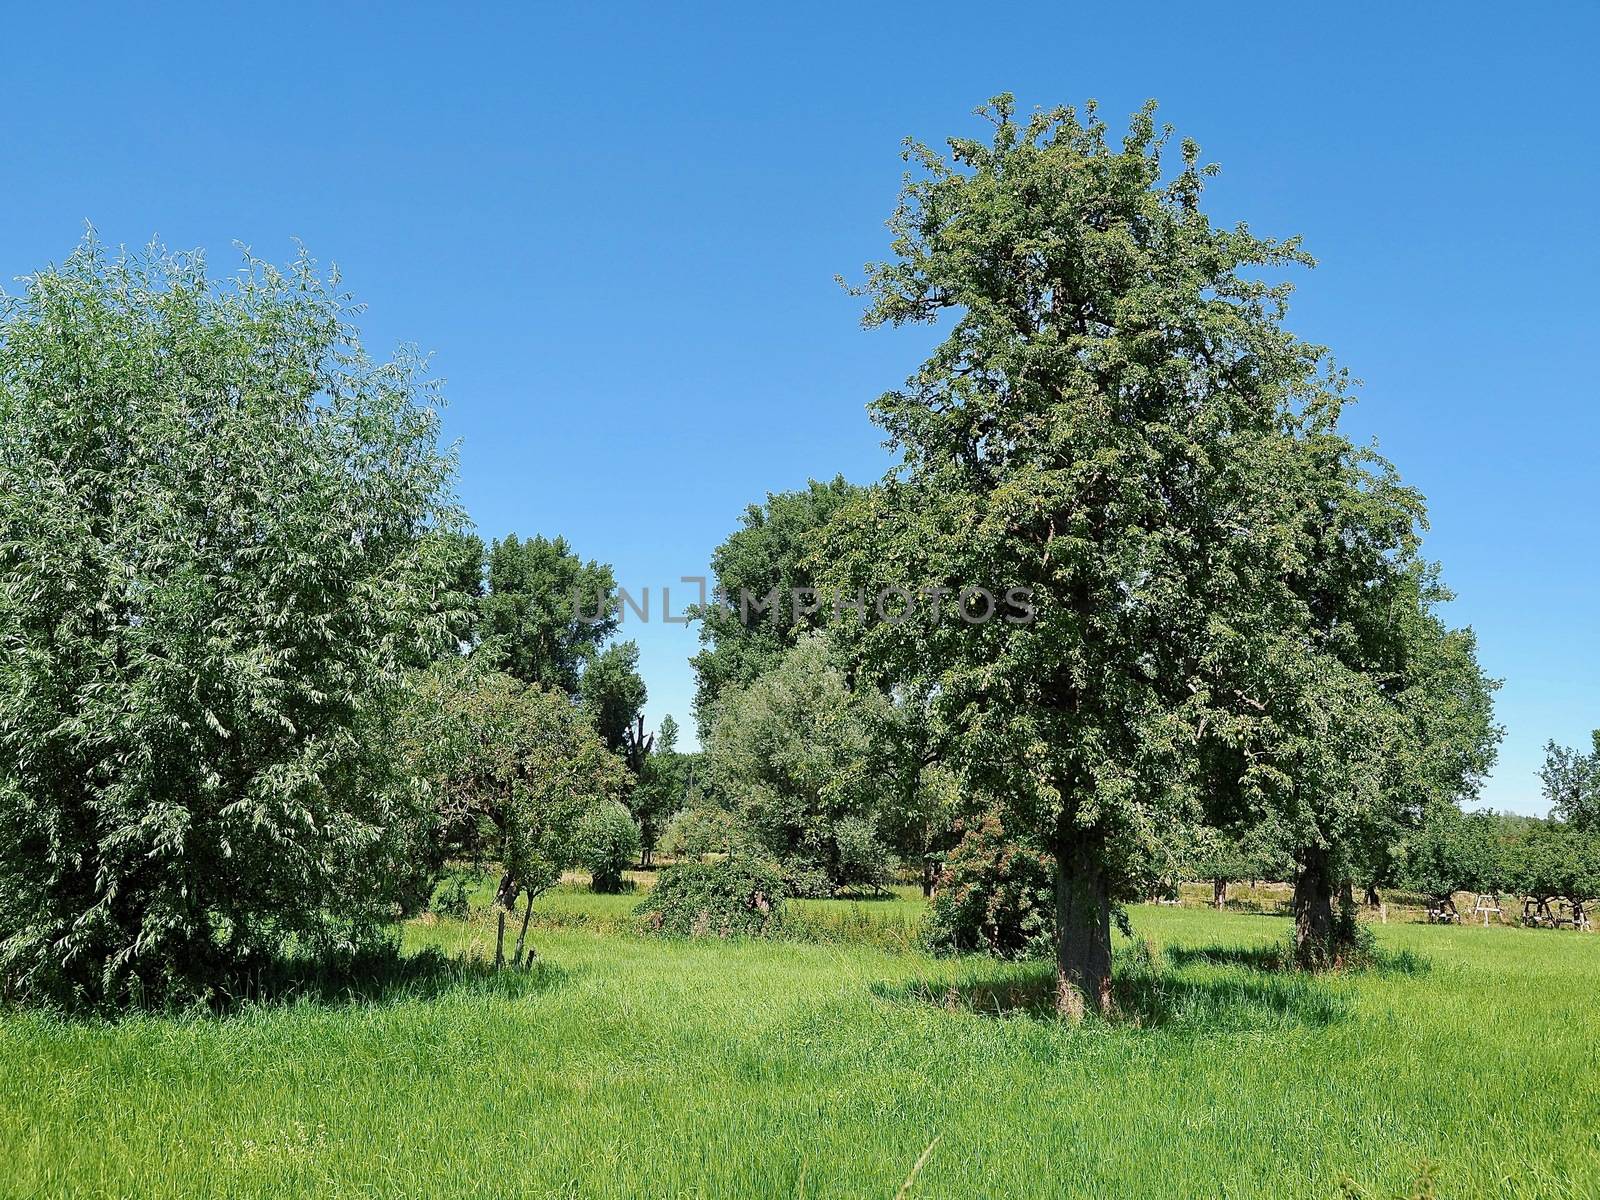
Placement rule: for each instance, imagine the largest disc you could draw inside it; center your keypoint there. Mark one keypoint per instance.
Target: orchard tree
(1105, 426)
(214, 568)
(1571, 781)
(514, 772)
(1457, 852)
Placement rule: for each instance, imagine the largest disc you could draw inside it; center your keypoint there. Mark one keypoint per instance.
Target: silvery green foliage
(213, 572)
(804, 759)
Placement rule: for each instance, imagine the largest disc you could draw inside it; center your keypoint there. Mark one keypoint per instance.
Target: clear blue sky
(617, 228)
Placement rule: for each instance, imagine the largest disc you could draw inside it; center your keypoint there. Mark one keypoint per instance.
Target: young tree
(607, 840)
(1103, 425)
(799, 754)
(213, 570)
(513, 770)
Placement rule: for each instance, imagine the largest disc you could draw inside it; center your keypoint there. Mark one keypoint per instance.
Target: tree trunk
(1373, 899)
(522, 934)
(1313, 909)
(1219, 894)
(1083, 929)
(500, 940)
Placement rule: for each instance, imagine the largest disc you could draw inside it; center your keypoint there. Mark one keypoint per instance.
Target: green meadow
(828, 1063)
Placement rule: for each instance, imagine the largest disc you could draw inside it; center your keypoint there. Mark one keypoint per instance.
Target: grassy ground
(631, 1067)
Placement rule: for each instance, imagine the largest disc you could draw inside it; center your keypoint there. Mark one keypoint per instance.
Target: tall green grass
(627, 1066)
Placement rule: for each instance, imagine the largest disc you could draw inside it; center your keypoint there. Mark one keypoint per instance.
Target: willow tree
(1104, 424)
(214, 569)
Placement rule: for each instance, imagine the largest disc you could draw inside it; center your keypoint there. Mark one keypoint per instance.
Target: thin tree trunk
(1219, 894)
(1083, 930)
(522, 934)
(1313, 909)
(500, 940)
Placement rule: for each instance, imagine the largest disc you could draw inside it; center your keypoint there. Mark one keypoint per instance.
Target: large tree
(1104, 424)
(213, 570)
(766, 572)
(547, 611)
(1571, 781)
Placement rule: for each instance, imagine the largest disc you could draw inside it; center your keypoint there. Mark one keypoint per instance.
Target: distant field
(627, 1066)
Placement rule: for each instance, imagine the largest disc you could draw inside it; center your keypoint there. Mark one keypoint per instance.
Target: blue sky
(617, 228)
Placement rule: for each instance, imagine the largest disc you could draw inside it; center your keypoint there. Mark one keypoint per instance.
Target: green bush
(804, 880)
(704, 832)
(993, 897)
(722, 899)
(607, 844)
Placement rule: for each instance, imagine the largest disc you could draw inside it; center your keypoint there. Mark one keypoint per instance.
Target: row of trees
(1234, 636)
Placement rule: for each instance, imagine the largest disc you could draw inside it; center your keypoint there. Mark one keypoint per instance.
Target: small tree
(993, 896)
(513, 769)
(214, 569)
(607, 840)
(706, 832)
(798, 752)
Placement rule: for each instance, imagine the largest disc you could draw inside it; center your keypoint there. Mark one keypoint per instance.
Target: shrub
(702, 832)
(865, 863)
(454, 898)
(993, 897)
(805, 880)
(728, 898)
(214, 567)
(607, 844)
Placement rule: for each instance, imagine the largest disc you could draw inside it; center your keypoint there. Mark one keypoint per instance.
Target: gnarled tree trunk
(1083, 929)
(1219, 894)
(1313, 909)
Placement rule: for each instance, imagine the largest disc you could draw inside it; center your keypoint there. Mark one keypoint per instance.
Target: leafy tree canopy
(215, 565)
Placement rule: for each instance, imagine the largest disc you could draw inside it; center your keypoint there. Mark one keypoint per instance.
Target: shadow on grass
(1246, 998)
(378, 978)
(1280, 960)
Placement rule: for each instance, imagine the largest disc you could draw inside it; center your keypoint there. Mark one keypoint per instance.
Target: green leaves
(212, 513)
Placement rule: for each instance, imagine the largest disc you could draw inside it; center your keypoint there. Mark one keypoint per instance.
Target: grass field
(625, 1066)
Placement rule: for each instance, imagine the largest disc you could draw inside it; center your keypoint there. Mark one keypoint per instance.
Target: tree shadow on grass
(1153, 999)
(1278, 959)
(378, 978)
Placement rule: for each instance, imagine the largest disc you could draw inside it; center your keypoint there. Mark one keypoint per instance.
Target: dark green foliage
(774, 547)
(215, 564)
(1555, 860)
(662, 787)
(993, 897)
(532, 622)
(613, 694)
(1456, 852)
(733, 897)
